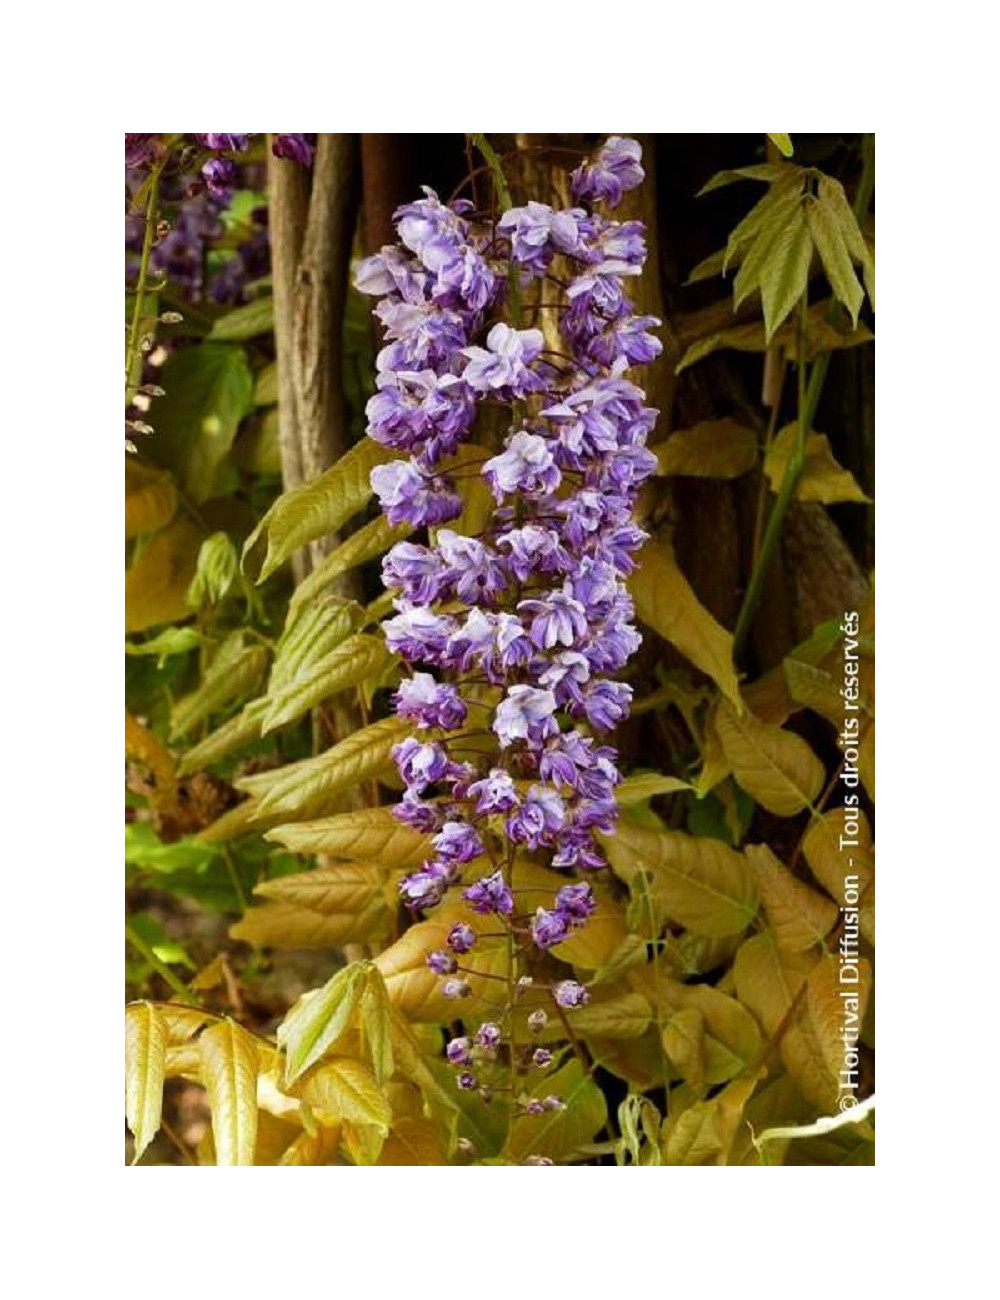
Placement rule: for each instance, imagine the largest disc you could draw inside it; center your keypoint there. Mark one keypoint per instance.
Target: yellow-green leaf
(237, 669)
(783, 143)
(366, 835)
(799, 916)
(303, 790)
(613, 1014)
(712, 449)
(665, 601)
(229, 1065)
(700, 883)
(369, 542)
(829, 242)
(145, 1055)
(245, 322)
(320, 1019)
(822, 478)
(775, 767)
(376, 1021)
(348, 664)
(646, 785)
(785, 275)
(558, 1133)
(265, 389)
(239, 731)
(316, 508)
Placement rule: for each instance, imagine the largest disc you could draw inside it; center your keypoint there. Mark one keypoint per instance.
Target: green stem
(140, 288)
(503, 194)
(161, 968)
(809, 395)
(234, 879)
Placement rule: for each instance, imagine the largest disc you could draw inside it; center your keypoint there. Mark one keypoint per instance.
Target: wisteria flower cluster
(530, 615)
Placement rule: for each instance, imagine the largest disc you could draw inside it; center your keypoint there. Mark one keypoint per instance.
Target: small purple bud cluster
(535, 604)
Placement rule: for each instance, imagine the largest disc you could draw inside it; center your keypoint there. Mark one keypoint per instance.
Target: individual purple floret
(615, 168)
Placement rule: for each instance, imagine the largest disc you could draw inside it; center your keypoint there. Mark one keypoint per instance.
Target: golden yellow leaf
(339, 903)
(799, 916)
(347, 1090)
(558, 1133)
(415, 990)
(665, 601)
(145, 1053)
(613, 1014)
(822, 478)
(150, 498)
(317, 1148)
(229, 1065)
(157, 583)
(413, 1141)
(700, 883)
(836, 846)
(684, 1043)
(712, 449)
(775, 767)
(367, 835)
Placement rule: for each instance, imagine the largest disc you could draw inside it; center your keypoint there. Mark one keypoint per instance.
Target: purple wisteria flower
(615, 168)
(514, 627)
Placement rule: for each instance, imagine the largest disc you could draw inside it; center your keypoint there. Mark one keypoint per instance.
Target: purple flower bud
(467, 1081)
(461, 938)
(550, 928)
(220, 176)
(537, 1021)
(296, 148)
(553, 1103)
(442, 963)
(577, 901)
(541, 1057)
(456, 988)
(570, 994)
(459, 1052)
(488, 1035)
(490, 894)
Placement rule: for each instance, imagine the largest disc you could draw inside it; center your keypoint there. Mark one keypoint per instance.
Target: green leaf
(316, 508)
(265, 391)
(368, 543)
(245, 322)
(310, 634)
(759, 172)
(784, 277)
(665, 601)
(319, 1020)
(366, 835)
(822, 478)
(237, 669)
(783, 143)
(209, 389)
(828, 239)
(171, 641)
(613, 1015)
(557, 1134)
(348, 664)
(145, 1055)
(831, 196)
(229, 1066)
(708, 268)
(820, 336)
(776, 767)
(712, 449)
(765, 220)
(144, 849)
(699, 883)
(302, 790)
